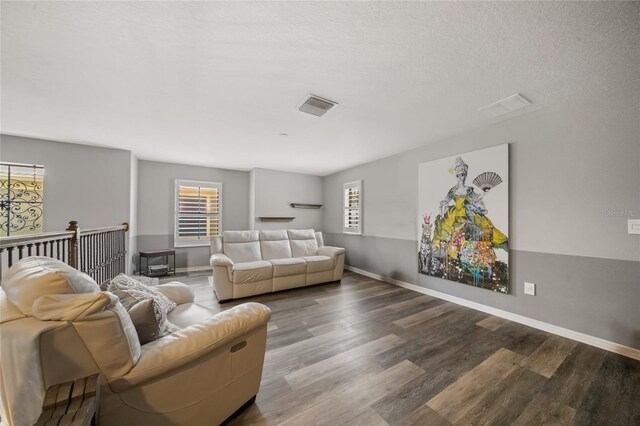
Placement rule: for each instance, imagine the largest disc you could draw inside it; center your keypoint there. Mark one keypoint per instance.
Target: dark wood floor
(370, 353)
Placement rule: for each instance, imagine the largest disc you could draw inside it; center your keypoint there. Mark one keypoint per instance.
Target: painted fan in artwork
(487, 180)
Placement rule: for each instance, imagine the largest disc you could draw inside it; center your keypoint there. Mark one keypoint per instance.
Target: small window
(21, 196)
(353, 207)
(198, 212)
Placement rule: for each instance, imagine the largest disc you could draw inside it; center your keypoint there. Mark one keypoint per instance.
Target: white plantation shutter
(198, 212)
(353, 207)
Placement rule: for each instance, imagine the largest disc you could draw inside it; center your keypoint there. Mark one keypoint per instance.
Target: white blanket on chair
(22, 387)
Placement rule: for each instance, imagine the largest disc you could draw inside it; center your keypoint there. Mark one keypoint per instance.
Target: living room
(384, 130)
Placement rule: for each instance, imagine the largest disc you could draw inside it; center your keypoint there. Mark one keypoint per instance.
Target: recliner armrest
(220, 259)
(330, 251)
(188, 344)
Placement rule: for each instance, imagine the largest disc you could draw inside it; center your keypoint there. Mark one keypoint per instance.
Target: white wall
(133, 215)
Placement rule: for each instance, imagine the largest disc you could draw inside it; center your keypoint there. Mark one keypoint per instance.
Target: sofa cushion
(37, 276)
(149, 318)
(318, 263)
(131, 291)
(241, 246)
(303, 242)
(149, 322)
(288, 267)
(249, 272)
(275, 245)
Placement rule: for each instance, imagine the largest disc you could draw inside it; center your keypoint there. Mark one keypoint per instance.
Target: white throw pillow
(132, 293)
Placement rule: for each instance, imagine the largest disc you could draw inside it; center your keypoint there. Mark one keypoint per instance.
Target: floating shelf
(275, 218)
(305, 206)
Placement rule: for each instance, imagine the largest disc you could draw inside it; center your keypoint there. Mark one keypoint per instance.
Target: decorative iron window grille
(21, 202)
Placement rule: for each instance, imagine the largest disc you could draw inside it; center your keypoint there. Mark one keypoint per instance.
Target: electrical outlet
(530, 288)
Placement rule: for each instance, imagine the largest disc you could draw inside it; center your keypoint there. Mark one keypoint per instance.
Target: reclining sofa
(58, 326)
(246, 263)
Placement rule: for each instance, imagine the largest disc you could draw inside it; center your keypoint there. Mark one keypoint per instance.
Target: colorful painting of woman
(463, 243)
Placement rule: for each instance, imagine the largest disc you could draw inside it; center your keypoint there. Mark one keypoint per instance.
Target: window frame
(37, 223)
(345, 187)
(178, 242)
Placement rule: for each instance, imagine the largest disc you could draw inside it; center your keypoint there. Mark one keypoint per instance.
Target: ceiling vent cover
(315, 105)
(506, 105)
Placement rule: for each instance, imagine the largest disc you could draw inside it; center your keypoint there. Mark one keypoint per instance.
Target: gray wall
(84, 183)
(571, 166)
(274, 191)
(156, 182)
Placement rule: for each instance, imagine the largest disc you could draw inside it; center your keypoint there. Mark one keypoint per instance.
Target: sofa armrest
(176, 291)
(188, 344)
(330, 251)
(220, 259)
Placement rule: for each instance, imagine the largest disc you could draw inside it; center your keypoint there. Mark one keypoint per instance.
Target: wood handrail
(21, 240)
(124, 226)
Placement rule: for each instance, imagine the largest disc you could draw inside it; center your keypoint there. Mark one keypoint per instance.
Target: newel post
(73, 243)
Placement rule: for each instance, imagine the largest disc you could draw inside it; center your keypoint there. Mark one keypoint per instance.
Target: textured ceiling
(215, 84)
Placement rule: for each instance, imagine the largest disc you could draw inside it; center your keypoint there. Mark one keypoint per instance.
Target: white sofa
(246, 263)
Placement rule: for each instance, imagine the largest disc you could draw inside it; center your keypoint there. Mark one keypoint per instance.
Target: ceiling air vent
(506, 105)
(315, 105)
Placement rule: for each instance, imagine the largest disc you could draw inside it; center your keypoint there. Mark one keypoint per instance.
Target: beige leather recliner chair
(57, 326)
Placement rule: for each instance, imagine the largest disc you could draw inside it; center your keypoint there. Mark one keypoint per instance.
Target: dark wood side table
(73, 403)
(152, 254)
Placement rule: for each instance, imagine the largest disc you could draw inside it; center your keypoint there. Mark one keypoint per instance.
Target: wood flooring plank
(426, 315)
(503, 404)
(445, 363)
(542, 410)
(282, 407)
(283, 337)
(571, 381)
(389, 316)
(613, 397)
(271, 326)
(520, 338)
(492, 322)
(353, 402)
(362, 296)
(459, 398)
(367, 418)
(441, 331)
(548, 357)
(422, 416)
(335, 364)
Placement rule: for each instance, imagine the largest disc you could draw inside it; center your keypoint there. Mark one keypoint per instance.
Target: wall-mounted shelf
(305, 206)
(275, 218)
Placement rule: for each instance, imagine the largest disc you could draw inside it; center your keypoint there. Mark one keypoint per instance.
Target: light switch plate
(530, 288)
(633, 226)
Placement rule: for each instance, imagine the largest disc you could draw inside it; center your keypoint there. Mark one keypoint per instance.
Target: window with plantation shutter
(198, 212)
(353, 207)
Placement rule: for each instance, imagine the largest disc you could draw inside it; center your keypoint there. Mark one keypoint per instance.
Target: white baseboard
(193, 269)
(540, 325)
